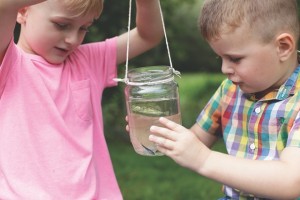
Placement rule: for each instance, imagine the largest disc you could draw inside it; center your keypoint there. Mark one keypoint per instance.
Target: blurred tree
(188, 51)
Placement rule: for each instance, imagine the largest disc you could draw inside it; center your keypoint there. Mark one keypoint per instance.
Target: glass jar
(150, 93)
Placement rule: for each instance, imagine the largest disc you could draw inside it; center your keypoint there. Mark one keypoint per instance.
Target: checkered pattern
(251, 128)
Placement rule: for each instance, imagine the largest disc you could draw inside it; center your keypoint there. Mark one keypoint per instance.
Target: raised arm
(8, 14)
(148, 32)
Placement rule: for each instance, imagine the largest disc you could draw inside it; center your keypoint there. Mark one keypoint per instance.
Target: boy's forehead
(235, 40)
(59, 8)
(50, 5)
(59, 4)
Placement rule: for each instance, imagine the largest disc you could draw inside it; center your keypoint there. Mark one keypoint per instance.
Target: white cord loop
(125, 79)
(151, 82)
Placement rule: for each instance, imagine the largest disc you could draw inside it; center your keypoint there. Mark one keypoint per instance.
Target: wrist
(201, 162)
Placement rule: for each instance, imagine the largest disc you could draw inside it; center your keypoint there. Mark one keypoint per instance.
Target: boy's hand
(180, 144)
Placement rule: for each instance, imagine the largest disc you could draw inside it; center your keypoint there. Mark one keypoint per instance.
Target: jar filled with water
(150, 93)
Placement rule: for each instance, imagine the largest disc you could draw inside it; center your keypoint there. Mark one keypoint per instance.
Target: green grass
(160, 178)
(195, 90)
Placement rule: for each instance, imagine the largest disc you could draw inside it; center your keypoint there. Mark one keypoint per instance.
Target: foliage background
(180, 19)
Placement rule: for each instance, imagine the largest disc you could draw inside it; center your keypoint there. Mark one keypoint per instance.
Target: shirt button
(257, 110)
(252, 146)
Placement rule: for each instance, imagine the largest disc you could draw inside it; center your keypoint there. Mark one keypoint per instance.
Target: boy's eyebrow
(68, 19)
(62, 18)
(232, 55)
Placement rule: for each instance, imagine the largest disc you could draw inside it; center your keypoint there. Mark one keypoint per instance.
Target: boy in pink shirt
(52, 144)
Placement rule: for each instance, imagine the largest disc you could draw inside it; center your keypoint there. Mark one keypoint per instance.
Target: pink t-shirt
(52, 144)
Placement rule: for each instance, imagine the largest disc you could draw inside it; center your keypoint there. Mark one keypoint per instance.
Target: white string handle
(128, 44)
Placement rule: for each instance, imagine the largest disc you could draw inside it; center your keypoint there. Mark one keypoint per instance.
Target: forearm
(206, 138)
(272, 179)
(147, 34)
(148, 20)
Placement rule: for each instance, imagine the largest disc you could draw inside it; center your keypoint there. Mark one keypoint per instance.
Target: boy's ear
(285, 46)
(22, 14)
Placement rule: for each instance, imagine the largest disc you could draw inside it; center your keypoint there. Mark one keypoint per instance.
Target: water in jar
(144, 114)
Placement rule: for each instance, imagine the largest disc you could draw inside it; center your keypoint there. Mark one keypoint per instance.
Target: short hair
(83, 7)
(266, 18)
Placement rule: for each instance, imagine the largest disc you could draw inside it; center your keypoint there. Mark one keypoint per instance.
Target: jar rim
(151, 74)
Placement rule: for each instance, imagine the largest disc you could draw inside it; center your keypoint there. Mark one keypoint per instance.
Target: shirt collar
(286, 90)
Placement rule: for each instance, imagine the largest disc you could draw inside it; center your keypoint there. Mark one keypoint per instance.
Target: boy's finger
(171, 125)
(164, 132)
(162, 142)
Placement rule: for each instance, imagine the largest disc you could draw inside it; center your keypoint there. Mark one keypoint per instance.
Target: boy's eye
(61, 25)
(85, 29)
(235, 59)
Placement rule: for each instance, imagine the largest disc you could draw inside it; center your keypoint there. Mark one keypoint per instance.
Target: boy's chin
(55, 61)
(248, 90)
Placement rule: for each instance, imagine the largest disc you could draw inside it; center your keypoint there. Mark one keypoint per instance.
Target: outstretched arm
(270, 179)
(147, 34)
(8, 15)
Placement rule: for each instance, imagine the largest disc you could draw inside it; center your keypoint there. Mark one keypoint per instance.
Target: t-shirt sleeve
(101, 58)
(210, 117)
(9, 60)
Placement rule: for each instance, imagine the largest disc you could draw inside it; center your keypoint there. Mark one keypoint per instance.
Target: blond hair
(266, 18)
(83, 7)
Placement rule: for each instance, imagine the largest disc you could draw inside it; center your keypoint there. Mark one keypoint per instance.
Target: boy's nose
(226, 69)
(72, 38)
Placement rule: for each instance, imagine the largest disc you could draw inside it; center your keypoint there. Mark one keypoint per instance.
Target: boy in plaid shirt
(255, 110)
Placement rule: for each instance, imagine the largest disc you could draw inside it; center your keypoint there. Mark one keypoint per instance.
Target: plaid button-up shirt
(252, 128)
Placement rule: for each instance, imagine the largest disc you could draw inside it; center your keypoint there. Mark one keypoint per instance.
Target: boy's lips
(235, 83)
(62, 51)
